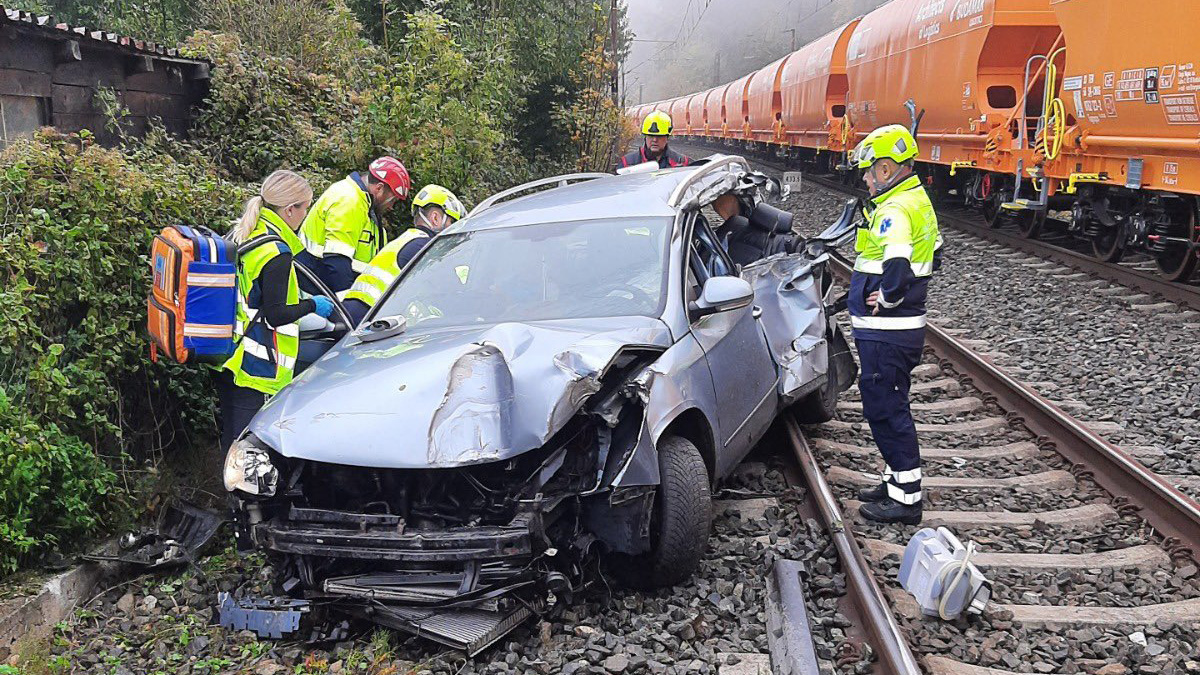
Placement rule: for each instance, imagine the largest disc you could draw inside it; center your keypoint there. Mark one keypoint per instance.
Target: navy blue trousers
(886, 372)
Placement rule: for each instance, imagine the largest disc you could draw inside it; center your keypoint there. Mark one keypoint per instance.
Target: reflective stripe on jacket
(667, 160)
(383, 269)
(342, 222)
(265, 358)
(901, 224)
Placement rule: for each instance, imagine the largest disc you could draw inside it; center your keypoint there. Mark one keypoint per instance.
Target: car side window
(706, 258)
(708, 252)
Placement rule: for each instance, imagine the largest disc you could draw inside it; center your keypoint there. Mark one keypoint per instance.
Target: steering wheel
(632, 293)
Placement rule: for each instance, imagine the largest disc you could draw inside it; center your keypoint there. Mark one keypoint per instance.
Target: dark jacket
(668, 159)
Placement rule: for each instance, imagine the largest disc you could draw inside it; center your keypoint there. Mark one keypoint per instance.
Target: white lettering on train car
(929, 9)
(857, 49)
(965, 8)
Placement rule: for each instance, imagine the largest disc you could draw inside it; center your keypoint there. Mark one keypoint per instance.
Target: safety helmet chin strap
(427, 221)
(902, 174)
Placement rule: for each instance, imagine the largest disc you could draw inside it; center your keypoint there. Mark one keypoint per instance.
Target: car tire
(821, 405)
(680, 523)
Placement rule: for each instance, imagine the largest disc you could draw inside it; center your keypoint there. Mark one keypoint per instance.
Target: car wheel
(821, 405)
(680, 523)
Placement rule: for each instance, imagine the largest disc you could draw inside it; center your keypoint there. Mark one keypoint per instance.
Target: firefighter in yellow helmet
(657, 130)
(897, 256)
(434, 209)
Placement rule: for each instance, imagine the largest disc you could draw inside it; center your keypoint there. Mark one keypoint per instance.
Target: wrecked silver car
(558, 378)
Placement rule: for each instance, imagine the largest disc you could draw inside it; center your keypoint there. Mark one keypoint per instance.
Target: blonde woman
(269, 304)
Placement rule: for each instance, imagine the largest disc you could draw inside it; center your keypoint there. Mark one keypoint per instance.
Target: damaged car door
(744, 375)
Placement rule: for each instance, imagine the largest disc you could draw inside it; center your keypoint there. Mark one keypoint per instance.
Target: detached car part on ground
(560, 376)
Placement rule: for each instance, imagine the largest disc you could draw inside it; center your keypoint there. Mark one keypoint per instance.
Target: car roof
(635, 195)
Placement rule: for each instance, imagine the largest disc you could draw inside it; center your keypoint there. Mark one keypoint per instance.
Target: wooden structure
(51, 74)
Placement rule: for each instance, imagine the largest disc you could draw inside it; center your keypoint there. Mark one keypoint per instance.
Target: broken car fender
(677, 382)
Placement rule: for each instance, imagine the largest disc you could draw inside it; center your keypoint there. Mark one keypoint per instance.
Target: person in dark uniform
(897, 256)
(657, 130)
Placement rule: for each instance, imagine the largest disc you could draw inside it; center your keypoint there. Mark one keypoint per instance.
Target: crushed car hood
(448, 397)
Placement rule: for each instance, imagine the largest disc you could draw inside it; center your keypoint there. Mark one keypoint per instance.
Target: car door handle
(756, 312)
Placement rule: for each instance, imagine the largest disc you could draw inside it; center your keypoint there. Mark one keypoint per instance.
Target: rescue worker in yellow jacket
(344, 230)
(897, 255)
(268, 305)
(434, 209)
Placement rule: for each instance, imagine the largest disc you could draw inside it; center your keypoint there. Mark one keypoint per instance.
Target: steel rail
(881, 627)
(1174, 515)
(1163, 506)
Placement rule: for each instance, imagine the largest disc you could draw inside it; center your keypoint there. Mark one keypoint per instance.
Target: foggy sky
(747, 34)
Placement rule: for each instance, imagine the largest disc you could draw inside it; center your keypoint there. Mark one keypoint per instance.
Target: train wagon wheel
(1109, 244)
(992, 213)
(1178, 262)
(1029, 222)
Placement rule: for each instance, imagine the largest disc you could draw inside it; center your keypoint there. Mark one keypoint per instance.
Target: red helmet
(391, 171)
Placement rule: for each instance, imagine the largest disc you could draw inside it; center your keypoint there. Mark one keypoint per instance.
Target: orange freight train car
(713, 113)
(677, 109)
(765, 103)
(736, 109)
(695, 115)
(962, 63)
(814, 88)
(1130, 128)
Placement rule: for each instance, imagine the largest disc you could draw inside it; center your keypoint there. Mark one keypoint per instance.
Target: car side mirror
(721, 294)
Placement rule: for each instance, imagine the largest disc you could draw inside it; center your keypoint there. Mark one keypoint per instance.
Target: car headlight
(248, 468)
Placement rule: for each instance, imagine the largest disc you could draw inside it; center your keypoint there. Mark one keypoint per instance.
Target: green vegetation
(476, 95)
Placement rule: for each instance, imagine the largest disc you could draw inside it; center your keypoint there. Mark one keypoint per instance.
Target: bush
(81, 406)
(78, 396)
(264, 112)
(318, 36)
(436, 109)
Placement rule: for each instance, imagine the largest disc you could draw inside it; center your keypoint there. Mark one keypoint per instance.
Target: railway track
(1092, 555)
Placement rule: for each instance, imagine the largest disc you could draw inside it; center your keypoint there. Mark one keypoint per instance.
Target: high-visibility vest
(901, 223)
(383, 270)
(341, 222)
(265, 358)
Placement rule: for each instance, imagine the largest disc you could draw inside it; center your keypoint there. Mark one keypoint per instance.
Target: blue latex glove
(324, 305)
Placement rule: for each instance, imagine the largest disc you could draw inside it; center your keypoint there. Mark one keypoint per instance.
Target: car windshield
(582, 269)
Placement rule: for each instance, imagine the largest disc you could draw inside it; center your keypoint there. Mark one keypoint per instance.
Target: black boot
(873, 494)
(892, 511)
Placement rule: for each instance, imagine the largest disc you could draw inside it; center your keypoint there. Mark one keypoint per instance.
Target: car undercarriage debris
(471, 629)
(180, 536)
(278, 617)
